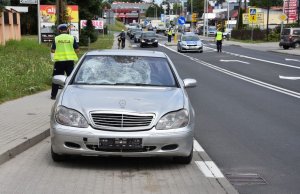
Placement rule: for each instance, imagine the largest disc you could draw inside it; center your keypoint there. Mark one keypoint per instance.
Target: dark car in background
(290, 37)
(137, 36)
(148, 39)
(132, 31)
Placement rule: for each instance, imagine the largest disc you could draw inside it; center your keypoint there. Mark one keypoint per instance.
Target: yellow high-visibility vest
(219, 36)
(64, 48)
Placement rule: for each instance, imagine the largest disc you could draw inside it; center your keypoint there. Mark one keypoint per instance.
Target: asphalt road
(247, 104)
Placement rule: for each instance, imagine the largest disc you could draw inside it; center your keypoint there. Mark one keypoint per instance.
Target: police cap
(62, 27)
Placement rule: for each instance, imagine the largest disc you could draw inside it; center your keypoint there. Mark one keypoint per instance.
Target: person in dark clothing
(65, 49)
(122, 36)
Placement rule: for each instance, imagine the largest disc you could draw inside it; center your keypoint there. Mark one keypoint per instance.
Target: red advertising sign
(98, 24)
(290, 9)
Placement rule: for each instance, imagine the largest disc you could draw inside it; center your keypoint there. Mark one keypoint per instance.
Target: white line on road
(209, 169)
(197, 146)
(223, 60)
(292, 60)
(288, 77)
(262, 60)
(239, 76)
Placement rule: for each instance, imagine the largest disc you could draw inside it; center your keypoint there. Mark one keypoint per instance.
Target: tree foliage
(264, 3)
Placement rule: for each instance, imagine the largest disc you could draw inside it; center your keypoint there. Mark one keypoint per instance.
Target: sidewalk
(25, 122)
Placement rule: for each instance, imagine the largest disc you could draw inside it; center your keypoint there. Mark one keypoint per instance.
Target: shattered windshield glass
(125, 70)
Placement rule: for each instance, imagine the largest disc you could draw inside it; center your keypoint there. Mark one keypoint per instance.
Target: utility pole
(238, 19)
(268, 10)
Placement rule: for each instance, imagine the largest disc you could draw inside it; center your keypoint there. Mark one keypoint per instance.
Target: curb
(20, 145)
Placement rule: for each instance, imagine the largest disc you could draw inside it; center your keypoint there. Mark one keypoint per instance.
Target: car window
(296, 32)
(190, 38)
(286, 31)
(148, 35)
(125, 70)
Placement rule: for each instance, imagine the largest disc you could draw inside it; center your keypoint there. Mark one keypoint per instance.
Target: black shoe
(53, 97)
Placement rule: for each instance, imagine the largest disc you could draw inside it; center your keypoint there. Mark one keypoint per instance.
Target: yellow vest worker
(219, 38)
(64, 48)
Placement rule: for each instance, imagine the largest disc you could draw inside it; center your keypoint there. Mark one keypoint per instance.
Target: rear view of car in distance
(148, 38)
(137, 36)
(189, 42)
(290, 37)
(126, 103)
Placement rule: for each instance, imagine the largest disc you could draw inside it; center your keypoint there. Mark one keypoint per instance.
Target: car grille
(120, 121)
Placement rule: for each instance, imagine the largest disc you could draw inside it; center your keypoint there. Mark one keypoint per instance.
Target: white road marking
(239, 76)
(223, 60)
(134, 45)
(262, 60)
(197, 146)
(288, 77)
(292, 60)
(209, 169)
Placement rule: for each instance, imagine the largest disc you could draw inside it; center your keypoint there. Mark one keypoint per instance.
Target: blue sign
(146, 22)
(252, 11)
(181, 20)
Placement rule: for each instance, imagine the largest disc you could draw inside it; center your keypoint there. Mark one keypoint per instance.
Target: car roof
(122, 52)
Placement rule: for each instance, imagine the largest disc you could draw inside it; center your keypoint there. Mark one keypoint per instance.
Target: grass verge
(26, 68)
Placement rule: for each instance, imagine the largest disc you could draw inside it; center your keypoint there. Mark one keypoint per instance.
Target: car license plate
(120, 143)
(149, 42)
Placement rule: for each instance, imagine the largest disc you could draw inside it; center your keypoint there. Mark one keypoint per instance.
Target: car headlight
(69, 117)
(155, 40)
(173, 120)
(143, 40)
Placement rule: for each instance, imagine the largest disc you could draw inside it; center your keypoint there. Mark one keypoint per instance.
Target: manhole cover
(245, 179)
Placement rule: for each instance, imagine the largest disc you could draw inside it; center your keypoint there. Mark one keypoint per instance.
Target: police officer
(122, 36)
(65, 50)
(219, 38)
(170, 35)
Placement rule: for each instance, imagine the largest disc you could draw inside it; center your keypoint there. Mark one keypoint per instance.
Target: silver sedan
(189, 42)
(123, 103)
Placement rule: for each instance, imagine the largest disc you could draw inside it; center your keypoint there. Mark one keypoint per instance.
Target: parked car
(137, 36)
(189, 42)
(290, 37)
(123, 103)
(148, 38)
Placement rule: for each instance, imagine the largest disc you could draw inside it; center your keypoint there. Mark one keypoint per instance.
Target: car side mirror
(189, 83)
(59, 80)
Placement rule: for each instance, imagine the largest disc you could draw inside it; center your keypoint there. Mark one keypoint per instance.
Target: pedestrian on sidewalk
(122, 36)
(219, 39)
(65, 50)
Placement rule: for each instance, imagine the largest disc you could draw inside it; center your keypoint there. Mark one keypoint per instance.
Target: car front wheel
(184, 159)
(286, 47)
(57, 157)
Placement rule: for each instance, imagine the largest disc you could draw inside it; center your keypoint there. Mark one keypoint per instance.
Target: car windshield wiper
(136, 84)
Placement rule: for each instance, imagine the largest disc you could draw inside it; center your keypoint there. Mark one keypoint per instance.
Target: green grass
(26, 68)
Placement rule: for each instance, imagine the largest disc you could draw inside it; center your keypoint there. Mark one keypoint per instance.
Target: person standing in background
(65, 50)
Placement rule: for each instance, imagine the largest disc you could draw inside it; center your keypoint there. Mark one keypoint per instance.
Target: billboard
(48, 18)
(290, 9)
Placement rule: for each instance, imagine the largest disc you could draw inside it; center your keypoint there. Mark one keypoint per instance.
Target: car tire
(156, 45)
(200, 51)
(184, 159)
(141, 45)
(296, 45)
(286, 47)
(57, 157)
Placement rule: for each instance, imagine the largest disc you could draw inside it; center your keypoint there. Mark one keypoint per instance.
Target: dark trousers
(219, 45)
(123, 42)
(169, 38)
(60, 68)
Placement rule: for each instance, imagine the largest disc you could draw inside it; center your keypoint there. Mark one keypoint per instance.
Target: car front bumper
(192, 48)
(84, 141)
